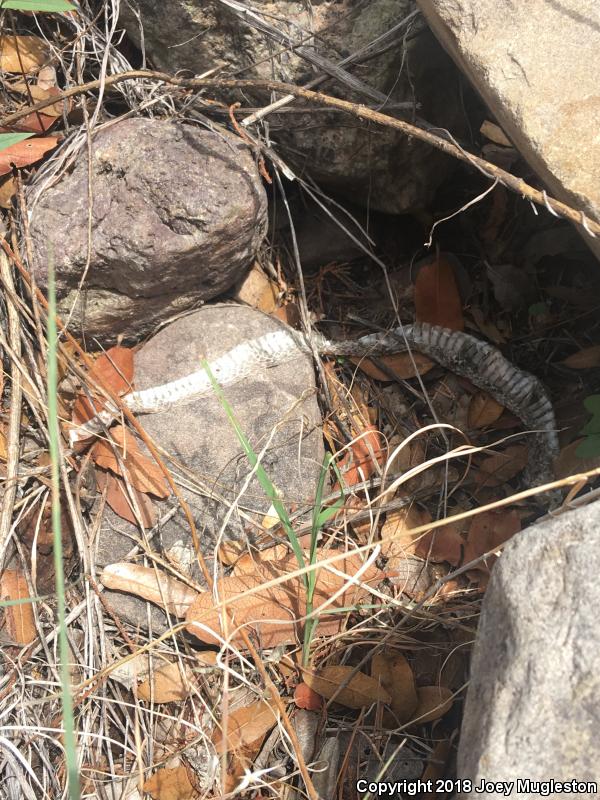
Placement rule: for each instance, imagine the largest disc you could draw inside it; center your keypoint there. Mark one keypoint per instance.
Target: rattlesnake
(463, 354)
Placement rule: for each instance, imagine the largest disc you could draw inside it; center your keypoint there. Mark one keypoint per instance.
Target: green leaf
(592, 427)
(38, 5)
(8, 139)
(592, 403)
(589, 448)
(329, 512)
(537, 309)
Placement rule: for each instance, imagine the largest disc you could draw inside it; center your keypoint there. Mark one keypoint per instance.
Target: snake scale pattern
(459, 352)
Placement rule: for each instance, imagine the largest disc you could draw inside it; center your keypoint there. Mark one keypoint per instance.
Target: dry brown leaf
(438, 545)
(401, 365)
(3, 446)
(246, 727)
(441, 544)
(142, 472)
(206, 658)
(568, 463)
(19, 621)
(434, 702)
(483, 410)
(258, 290)
(22, 53)
(400, 524)
(118, 499)
(25, 153)
(273, 611)
(145, 582)
(360, 691)
(437, 299)
(487, 531)
(501, 467)
(166, 685)
(494, 133)
(113, 371)
(588, 358)
(8, 189)
(436, 768)
(171, 783)
(487, 327)
(289, 313)
(38, 93)
(307, 698)
(396, 676)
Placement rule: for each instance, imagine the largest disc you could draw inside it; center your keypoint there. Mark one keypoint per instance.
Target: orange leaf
(171, 783)
(36, 122)
(118, 499)
(487, 531)
(437, 300)
(18, 619)
(24, 153)
(113, 371)
(358, 464)
(143, 473)
(307, 698)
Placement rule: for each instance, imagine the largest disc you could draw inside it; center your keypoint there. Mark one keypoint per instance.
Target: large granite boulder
(536, 65)
(402, 65)
(532, 710)
(178, 213)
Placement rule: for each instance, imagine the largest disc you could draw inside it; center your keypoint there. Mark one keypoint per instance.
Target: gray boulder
(178, 212)
(402, 65)
(276, 407)
(536, 65)
(532, 708)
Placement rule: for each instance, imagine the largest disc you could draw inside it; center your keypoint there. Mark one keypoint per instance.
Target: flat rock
(539, 77)
(276, 408)
(371, 165)
(178, 213)
(532, 705)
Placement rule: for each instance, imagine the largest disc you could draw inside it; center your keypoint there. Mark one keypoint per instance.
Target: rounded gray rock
(532, 711)
(178, 212)
(277, 410)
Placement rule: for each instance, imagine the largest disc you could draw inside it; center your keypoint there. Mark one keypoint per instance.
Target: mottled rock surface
(276, 408)
(400, 64)
(178, 212)
(536, 65)
(532, 704)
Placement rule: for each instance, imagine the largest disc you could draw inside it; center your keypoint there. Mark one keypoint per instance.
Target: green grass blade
(38, 5)
(8, 139)
(67, 700)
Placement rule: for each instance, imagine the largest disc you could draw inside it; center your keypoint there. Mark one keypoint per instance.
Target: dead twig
(358, 110)
(14, 414)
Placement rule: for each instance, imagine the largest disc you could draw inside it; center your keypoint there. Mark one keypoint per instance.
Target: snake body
(463, 354)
